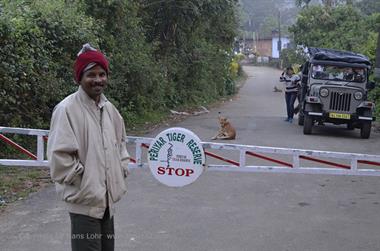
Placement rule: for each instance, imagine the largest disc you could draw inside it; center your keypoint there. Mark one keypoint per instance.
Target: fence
(294, 166)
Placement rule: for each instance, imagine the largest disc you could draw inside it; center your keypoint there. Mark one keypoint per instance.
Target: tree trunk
(377, 61)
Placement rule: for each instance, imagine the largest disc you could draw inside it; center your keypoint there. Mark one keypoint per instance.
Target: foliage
(136, 82)
(37, 45)
(342, 27)
(374, 95)
(290, 57)
(194, 40)
(368, 7)
(162, 54)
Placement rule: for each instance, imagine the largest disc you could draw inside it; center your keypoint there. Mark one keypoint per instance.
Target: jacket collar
(89, 101)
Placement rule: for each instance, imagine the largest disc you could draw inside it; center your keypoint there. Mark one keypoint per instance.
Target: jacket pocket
(67, 191)
(73, 174)
(117, 181)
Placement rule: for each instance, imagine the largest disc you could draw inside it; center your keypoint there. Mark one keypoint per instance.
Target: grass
(16, 183)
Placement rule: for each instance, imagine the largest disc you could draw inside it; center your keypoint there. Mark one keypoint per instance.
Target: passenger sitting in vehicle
(358, 75)
(319, 72)
(348, 74)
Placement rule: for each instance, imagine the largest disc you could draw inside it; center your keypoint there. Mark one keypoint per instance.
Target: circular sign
(176, 157)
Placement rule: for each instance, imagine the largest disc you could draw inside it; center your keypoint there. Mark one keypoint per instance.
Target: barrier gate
(141, 143)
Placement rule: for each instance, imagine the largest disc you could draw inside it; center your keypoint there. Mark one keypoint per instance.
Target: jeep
(334, 89)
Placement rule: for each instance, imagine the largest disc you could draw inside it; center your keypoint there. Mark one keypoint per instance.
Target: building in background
(251, 43)
(285, 43)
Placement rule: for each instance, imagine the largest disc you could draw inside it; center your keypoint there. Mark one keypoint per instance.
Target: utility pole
(279, 45)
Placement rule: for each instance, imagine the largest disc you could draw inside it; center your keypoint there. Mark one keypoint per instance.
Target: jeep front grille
(340, 101)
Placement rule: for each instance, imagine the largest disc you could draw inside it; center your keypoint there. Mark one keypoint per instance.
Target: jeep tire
(308, 124)
(365, 129)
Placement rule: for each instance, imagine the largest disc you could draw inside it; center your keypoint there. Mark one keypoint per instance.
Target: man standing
(291, 89)
(87, 154)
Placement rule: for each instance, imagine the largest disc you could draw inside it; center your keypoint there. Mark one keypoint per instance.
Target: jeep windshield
(339, 73)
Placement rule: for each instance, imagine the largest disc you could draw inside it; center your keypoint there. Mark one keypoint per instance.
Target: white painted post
(242, 158)
(354, 165)
(138, 153)
(40, 148)
(296, 160)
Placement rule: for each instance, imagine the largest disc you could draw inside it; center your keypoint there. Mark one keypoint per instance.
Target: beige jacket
(87, 154)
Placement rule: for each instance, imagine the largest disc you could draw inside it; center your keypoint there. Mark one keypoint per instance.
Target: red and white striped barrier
(259, 152)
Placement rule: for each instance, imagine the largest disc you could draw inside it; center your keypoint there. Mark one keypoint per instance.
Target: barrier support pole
(40, 148)
(296, 161)
(242, 158)
(138, 154)
(354, 165)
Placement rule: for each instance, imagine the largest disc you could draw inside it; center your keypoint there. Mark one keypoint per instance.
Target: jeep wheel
(308, 124)
(365, 130)
(301, 119)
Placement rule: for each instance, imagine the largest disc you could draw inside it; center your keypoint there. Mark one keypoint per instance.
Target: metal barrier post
(40, 148)
(138, 153)
(354, 165)
(296, 160)
(242, 158)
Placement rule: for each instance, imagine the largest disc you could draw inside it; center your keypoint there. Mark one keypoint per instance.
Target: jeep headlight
(324, 92)
(358, 95)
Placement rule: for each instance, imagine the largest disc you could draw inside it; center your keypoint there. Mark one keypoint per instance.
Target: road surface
(230, 211)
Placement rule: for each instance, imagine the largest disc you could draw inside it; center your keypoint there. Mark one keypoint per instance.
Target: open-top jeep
(334, 88)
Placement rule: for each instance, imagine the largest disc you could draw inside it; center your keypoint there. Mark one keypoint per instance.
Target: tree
(368, 7)
(162, 54)
(38, 43)
(194, 40)
(342, 27)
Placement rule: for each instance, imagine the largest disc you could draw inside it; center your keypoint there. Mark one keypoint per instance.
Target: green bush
(38, 44)
(290, 57)
(162, 54)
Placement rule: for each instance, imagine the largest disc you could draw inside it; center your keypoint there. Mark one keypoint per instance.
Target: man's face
(94, 81)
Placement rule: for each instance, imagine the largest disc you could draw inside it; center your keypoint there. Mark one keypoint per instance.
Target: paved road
(230, 211)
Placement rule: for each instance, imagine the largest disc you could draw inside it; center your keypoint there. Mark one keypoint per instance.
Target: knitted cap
(87, 58)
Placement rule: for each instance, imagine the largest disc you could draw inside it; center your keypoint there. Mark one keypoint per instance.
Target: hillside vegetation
(163, 54)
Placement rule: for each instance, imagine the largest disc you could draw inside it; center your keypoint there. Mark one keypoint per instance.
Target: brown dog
(226, 131)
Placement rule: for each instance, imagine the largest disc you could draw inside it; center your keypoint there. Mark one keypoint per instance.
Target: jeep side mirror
(370, 85)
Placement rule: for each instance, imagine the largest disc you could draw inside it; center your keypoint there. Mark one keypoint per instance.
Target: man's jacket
(87, 154)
